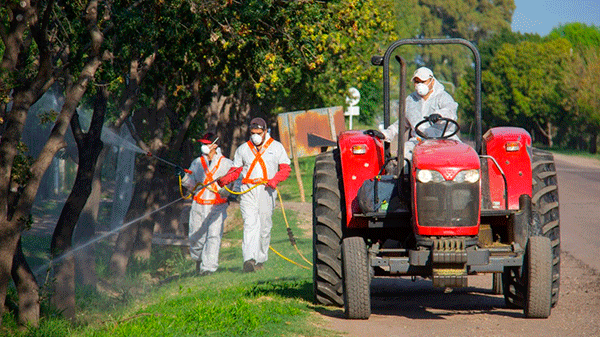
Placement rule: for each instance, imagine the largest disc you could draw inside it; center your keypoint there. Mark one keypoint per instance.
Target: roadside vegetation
(164, 297)
(578, 153)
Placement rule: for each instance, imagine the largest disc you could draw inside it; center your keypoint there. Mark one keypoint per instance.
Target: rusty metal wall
(325, 122)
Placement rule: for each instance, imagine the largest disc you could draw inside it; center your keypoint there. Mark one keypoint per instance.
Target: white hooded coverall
(417, 108)
(209, 210)
(257, 205)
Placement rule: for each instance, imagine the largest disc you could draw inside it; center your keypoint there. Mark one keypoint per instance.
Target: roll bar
(385, 62)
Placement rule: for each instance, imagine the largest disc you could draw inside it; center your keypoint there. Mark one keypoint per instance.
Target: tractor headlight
(426, 176)
(470, 176)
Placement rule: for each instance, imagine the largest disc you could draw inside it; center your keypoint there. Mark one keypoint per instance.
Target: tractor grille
(447, 204)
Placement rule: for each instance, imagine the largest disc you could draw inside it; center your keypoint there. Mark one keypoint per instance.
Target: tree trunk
(14, 212)
(150, 191)
(85, 258)
(25, 93)
(549, 134)
(129, 98)
(142, 248)
(63, 294)
(159, 195)
(122, 250)
(594, 141)
(89, 147)
(546, 132)
(7, 251)
(126, 239)
(27, 288)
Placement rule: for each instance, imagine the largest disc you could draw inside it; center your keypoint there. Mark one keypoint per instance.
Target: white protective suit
(439, 102)
(209, 210)
(257, 205)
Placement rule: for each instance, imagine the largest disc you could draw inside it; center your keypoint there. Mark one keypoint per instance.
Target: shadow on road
(420, 300)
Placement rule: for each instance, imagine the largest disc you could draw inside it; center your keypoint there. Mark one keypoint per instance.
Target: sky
(540, 16)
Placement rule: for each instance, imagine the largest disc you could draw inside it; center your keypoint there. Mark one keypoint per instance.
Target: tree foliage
(580, 35)
(489, 47)
(546, 85)
(287, 55)
(527, 76)
(474, 21)
(467, 19)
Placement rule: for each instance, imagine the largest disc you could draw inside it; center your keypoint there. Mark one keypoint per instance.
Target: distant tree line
(549, 86)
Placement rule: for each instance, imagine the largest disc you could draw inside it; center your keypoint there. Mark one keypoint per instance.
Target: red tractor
(453, 210)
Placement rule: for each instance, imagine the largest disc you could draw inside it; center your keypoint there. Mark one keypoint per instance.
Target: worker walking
(261, 161)
(209, 208)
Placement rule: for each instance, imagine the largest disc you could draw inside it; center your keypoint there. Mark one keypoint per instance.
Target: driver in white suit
(431, 100)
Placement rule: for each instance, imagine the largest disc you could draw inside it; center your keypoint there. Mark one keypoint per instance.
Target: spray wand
(149, 154)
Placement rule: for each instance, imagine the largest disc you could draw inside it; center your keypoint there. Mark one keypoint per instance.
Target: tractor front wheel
(357, 278)
(538, 277)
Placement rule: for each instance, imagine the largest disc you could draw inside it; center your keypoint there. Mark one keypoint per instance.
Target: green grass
(578, 153)
(289, 188)
(163, 297)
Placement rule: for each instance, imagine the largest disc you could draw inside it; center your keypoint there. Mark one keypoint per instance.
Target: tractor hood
(445, 156)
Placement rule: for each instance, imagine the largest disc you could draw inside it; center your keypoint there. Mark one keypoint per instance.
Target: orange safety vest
(208, 178)
(257, 159)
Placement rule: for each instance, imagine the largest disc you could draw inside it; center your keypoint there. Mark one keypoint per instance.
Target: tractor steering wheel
(443, 136)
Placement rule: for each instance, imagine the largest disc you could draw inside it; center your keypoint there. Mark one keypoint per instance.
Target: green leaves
(548, 85)
(524, 80)
(579, 34)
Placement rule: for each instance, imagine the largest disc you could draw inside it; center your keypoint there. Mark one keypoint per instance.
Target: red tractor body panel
(509, 147)
(362, 158)
(447, 157)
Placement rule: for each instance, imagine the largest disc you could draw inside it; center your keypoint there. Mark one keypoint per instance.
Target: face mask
(256, 139)
(205, 149)
(422, 89)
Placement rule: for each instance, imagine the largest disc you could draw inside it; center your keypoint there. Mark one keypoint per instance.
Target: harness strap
(257, 159)
(209, 176)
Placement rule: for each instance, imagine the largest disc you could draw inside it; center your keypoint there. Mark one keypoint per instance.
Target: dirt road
(401, 307)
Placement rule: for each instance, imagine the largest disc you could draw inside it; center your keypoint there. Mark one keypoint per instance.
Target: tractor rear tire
(327, 230)
(546, 222)
(538, 277)
(546, 219)
(357, 278)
